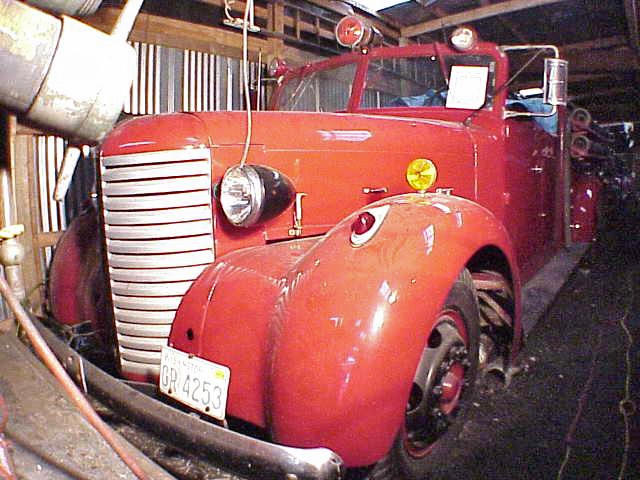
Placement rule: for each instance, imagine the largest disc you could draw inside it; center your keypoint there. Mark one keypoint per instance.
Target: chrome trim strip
(172, 215)
(141, 356)
(162, 156)
(150, 289)
(173, 245)
(140, 368)
(171, 230)
(166, 200)
(163, 275)
(168, 260)
(142, 187)
(142, 343)
(141, 172)
(147, 330)
(144, 316)
(146, 303)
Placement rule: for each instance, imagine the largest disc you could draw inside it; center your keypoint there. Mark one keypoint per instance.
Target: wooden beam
(508, 24)
(599, 43)
(621, 59)
(180, 34)
(473, 15)
(388, 26)
(28, 214)
(609, 92)
(614, 112)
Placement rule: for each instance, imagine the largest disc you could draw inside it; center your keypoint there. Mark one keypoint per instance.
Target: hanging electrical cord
(245, 74)
(627, 406)
(582, 399)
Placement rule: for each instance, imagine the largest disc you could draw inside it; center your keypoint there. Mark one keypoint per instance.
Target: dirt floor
(561, 417)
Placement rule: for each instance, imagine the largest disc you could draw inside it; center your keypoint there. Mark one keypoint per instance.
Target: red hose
(50, 360)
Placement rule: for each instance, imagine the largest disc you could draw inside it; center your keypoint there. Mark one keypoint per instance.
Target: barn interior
(565, 408)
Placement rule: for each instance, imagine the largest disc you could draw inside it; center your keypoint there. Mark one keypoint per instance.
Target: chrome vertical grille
(159, 235)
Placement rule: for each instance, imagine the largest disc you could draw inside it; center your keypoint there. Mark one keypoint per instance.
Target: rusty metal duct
(62, 74)
(68, 7)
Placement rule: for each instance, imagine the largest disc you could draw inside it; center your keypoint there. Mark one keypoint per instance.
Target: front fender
(351, 323)
(77, 283)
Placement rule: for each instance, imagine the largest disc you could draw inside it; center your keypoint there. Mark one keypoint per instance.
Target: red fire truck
(337, 272)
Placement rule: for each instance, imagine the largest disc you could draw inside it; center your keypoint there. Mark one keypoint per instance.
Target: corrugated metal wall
(173, 80)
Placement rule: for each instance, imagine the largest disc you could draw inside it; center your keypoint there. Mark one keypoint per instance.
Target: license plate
(198, 383)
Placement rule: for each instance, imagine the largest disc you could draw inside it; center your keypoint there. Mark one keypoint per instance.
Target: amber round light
(421, 174)
(363, 223)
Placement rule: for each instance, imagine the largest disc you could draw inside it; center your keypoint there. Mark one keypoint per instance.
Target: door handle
(372, 190)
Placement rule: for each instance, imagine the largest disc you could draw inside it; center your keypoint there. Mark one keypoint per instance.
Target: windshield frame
(415, 50)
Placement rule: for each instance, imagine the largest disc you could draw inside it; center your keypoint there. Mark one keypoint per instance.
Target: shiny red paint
(323, 338)
(321, 365)
(585, 198)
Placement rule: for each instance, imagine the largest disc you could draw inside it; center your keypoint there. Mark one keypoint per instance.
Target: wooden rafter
(608, 92)
(508, 24)
(473, 15)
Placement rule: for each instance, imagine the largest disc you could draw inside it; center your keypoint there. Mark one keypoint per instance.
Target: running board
(539, 292)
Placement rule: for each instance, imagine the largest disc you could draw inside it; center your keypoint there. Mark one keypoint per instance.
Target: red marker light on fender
(363, 223)
(367, 224)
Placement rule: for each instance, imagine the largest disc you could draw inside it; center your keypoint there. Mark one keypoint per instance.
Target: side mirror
(555, 86)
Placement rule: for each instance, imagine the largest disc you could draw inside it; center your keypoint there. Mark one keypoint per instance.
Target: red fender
(354, 321)
(323, 338)
(77, 285)
(585, 198)
(234, 300)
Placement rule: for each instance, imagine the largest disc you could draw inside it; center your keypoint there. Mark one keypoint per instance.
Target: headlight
(251, 193)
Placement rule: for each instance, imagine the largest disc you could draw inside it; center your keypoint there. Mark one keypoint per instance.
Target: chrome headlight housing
(250, 193)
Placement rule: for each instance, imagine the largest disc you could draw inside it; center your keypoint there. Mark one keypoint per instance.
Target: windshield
(403, 82)
(320, 91)
(417, 81)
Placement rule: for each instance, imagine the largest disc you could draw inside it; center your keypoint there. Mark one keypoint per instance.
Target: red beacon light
(353, 32)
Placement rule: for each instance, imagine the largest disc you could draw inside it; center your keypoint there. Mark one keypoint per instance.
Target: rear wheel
(442, 387)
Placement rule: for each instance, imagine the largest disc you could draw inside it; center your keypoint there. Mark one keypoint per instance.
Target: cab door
(529, 214)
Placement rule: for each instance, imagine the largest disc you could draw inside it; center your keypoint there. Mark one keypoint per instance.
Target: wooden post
(28, 213)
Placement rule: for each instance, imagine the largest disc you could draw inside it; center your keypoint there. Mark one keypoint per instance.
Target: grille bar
(159, 228)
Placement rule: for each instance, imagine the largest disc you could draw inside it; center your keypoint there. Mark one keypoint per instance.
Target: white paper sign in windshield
(467, 87)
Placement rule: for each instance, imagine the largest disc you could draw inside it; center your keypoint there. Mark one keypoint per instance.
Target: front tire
(442, 390)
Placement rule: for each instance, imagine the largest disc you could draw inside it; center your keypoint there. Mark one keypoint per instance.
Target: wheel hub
(438, 385)
(452, 384)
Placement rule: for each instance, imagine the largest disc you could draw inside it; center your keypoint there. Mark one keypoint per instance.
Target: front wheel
(442, 387)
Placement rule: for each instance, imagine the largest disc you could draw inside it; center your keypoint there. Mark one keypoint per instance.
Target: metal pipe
(50, 360)
(125, 21)
(39, 58)
(68, 7)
